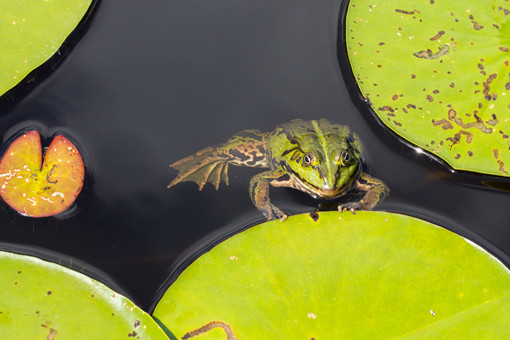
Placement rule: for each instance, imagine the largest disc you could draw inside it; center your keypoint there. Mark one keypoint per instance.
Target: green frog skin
(317, 157)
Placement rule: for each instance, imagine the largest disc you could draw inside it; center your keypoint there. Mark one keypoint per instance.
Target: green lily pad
(365, 276)
(31, 32)
(42, 300)
(437, 74)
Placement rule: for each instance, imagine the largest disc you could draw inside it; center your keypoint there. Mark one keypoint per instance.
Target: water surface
(150, 83)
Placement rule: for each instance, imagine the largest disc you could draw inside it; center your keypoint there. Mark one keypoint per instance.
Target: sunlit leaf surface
(31, 32)
(40, 190)
(437, 74)
(42, 300)
(372, 275)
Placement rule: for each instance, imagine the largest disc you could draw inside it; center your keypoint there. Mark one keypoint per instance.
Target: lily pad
(31, 32)
(39, 190)
(42, 300)
(437, 74)
(342, 276)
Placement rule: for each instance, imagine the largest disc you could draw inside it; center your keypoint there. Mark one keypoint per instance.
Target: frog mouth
(317, 192)
(325, 191)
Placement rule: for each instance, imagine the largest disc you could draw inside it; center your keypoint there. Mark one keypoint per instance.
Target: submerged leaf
(437, 74)
(36, 190)
(342, 276)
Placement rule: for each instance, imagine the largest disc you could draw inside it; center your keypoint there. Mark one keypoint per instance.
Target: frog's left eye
(308, 159)
(346, 157)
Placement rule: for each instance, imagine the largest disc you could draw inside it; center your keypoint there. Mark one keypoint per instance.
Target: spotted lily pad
(42, 300)
(372, 275)
(31, 32)
(40, 190)
(437, 74)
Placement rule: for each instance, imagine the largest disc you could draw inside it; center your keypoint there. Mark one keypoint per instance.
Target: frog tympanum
(318, 157)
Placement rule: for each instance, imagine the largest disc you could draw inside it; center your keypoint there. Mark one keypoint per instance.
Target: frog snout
(330, 180)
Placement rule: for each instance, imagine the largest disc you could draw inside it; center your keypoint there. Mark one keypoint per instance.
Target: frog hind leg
(259, 192)
(246, 148)
(375, 191)
(206, 165)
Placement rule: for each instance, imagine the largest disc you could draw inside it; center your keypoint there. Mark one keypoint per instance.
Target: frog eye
(346, 157)
(308, 159)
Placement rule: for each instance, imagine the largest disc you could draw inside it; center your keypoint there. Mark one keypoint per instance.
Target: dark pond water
(151, 82)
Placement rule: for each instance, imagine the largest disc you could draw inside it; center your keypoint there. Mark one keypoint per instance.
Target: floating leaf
(42, 300)
(31, 32)
(36, 190)
(437, 74)
(372, 275)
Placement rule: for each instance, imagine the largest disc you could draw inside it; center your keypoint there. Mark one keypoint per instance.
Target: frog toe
(273, 213)
(351, 206)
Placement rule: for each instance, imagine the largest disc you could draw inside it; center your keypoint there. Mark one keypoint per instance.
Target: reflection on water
(150, 84)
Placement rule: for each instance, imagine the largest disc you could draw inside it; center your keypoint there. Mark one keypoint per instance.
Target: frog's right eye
(308, 159)
(346, 157)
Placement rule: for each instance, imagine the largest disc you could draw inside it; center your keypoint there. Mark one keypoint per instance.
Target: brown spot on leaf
(504, 49)
(430, 98)
(386, 108)
(502, 166)
(437, 36)
(428, 54)
(476, 25)
(496, 153)
(491, 78)
(457, 137)
(52, 334)
(404, 11)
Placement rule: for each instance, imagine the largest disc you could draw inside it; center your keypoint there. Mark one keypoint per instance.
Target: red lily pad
(39, 190)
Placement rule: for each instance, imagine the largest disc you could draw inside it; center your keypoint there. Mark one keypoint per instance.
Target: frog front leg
(375, 191)
(259, 192)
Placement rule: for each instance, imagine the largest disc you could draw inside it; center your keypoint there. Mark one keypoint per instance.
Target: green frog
(318, 157)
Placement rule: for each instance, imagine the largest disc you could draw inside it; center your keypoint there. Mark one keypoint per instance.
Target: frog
(318, 157)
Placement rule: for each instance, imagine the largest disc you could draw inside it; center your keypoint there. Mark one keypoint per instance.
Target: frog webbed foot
(271, 212)
(374, 191)
(351, 206)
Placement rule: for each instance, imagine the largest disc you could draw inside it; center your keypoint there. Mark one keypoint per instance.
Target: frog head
(324, 165)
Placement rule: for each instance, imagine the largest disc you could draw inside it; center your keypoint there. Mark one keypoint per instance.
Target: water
(150, 83)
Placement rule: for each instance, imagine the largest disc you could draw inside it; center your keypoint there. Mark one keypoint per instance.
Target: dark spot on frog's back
(256, 158)
(283, 178)
(238, 154)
